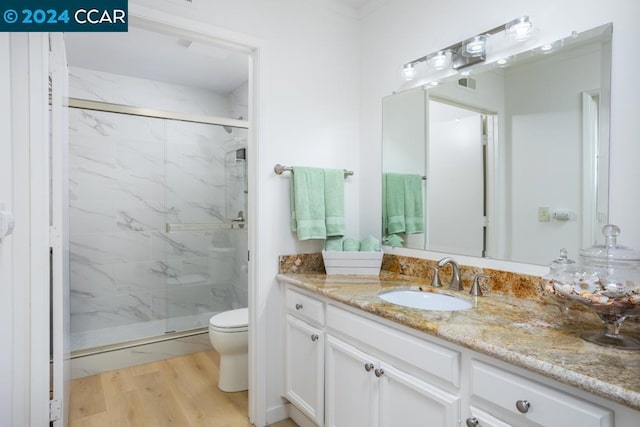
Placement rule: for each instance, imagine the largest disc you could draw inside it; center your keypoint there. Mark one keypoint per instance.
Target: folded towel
(333, 244)
(334, 201)
(369, 244)
(350, 245)
(393, 191)
(393, 240)
(307, 203)
(413, 214)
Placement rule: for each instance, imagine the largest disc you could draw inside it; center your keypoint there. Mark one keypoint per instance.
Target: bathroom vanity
(354, 360)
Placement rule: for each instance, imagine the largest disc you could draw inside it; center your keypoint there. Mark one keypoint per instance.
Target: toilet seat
(230, 321)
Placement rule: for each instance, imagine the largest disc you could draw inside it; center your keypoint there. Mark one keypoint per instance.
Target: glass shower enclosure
(158, 232)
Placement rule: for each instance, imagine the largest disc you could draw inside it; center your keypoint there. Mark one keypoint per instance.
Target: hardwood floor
(175, 392)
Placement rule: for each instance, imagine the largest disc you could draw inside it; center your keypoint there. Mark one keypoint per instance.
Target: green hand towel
(333, 245)
(334, 201)
(370, 244)
(413, 213)
(394, 202)
(350, 245)
(308, 209)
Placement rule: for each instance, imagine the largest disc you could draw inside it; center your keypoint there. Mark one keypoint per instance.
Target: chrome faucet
(455, 284)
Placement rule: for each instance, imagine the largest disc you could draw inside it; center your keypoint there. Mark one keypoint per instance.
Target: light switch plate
(543, 214)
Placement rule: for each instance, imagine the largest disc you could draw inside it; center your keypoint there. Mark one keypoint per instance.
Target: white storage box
(362, 263)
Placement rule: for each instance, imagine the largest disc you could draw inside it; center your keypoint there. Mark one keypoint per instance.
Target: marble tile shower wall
(129, 176)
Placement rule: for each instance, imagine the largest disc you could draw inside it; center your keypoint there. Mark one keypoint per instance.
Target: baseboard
(301, 419)
(278, 413)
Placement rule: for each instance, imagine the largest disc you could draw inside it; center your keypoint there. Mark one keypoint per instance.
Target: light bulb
(433, 83)
(408, 72)
(475, 46)
(520, 29)
(440, 60)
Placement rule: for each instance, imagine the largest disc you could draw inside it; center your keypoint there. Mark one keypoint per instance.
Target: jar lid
(562, 261)
(610, 250)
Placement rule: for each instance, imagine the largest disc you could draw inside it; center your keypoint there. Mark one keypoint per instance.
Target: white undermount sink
(425, 300)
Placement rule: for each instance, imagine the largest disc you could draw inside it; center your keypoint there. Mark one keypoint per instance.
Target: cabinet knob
(379, 372)
(314, 337)
(523, 406)
(473, 422)
(298, 306)
(368, 367)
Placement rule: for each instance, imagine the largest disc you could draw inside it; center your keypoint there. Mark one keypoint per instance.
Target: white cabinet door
(304, 382)
(351, 392)
(407, 401)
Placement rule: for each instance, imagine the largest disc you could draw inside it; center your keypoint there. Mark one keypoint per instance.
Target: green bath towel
(413, 213)
(334, 202)
(370, 244)
(402, 203)
(393, 206)
(350, 245)
(333, 245)
(307, 203)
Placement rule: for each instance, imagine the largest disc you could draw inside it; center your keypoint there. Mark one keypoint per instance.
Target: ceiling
(155, 56)
(356, 4)
(163, 57)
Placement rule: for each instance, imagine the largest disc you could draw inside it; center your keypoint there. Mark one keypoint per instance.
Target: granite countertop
(529, 333)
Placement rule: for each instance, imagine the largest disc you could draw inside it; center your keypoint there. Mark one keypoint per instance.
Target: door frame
(26, 294)
(158, 21)
(39, 225)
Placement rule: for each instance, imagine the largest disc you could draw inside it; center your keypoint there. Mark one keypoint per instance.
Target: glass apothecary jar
(607, 281)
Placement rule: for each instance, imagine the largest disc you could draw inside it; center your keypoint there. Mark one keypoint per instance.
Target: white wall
(308, 116)
(402, 30)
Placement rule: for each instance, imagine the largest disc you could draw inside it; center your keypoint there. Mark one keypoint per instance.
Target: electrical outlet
(543, 214)
(560, 215)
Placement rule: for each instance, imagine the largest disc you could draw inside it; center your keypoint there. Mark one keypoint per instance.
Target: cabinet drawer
(305, 307)
(428, 357)
(546, 405)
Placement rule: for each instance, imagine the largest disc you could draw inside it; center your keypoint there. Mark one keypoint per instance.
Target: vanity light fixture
(519, 29)
(468, 52)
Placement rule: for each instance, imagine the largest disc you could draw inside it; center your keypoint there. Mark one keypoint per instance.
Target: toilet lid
(231, 319)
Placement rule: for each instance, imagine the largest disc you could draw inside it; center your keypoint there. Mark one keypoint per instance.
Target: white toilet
(228, 332)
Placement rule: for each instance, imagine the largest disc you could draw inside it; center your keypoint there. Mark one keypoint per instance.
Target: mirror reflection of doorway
(457, 136)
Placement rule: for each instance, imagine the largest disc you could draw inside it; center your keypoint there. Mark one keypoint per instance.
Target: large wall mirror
(511, 158)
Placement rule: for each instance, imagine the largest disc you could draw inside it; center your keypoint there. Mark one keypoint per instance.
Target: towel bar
(279, 169)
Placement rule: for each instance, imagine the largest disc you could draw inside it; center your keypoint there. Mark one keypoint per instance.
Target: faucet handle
(435, 281)
(476, 291)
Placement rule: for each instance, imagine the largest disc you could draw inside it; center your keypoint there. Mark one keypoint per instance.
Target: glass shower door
(206, 239)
